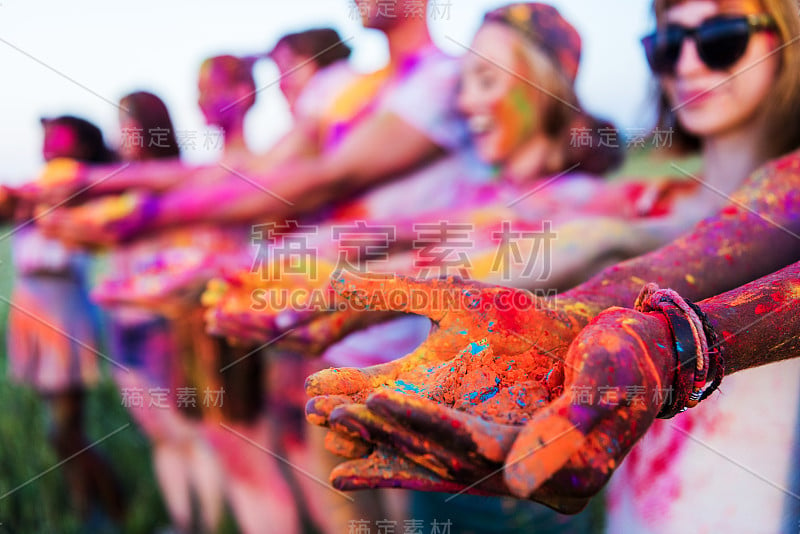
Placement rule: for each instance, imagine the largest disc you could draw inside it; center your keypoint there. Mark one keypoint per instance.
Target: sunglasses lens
(721, 43)
(663, 49)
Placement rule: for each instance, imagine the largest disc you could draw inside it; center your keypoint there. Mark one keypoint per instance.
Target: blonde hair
(554, 94)
(559, 113)
(781, 107)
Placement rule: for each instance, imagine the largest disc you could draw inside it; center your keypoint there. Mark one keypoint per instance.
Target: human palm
(488, 403)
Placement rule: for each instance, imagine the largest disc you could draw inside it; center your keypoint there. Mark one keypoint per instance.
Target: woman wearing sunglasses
(729, 71)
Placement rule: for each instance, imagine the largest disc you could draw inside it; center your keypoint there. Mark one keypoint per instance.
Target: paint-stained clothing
(422, 93)
(730, 465)
(52, 333)
(322, 88)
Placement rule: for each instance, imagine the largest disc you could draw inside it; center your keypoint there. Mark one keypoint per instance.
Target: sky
(80, 57)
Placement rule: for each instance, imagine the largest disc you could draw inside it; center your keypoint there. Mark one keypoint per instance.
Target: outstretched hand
(61, 180)
(500, 416)
(508, 361)
(100, 222)
(172, 268)
(276, 300)
(9, 199)
(463, 313)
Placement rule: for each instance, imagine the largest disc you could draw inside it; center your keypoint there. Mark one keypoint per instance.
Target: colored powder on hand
(499, 388)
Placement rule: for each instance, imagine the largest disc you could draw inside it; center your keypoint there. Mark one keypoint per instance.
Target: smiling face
(720, 102)
(499, 105)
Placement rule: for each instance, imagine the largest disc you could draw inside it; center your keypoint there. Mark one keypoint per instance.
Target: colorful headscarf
(544, 26)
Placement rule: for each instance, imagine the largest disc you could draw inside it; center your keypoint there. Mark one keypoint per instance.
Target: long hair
(91, 147)
(152, 116)
(324, 45)
(781, 107)
(557, 103)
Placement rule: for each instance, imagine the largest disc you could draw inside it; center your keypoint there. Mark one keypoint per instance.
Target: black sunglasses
(721, 41)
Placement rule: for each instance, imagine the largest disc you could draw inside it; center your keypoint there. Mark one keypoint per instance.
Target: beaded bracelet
(696, 344)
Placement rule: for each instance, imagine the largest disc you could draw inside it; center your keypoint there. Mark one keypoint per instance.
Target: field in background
(33, 494)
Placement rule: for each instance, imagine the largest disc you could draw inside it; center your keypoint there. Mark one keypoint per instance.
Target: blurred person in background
(52, 336)
(314, 67)
(378, 114)
(260, 497)
(153, 347)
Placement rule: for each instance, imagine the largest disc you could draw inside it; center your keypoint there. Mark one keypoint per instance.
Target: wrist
(698, 363)
(573, 308)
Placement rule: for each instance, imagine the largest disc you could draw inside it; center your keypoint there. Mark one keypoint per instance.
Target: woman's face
(709, 102)
(60, 141)
(218, 99)
(494, 96)
(132, 138)
(295, 71)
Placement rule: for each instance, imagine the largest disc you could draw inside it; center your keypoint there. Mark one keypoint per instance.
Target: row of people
(396, 134)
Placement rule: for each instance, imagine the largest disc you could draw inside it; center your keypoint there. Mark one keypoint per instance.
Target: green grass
(33, 493)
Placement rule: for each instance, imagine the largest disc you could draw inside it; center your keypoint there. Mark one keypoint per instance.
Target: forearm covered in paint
(756, 234)
(758, 323)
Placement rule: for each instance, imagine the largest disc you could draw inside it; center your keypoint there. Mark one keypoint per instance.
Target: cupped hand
(171, 269)
(507, 321)
(555, 439)
(9, 199)
(279, 300)
(507, 360)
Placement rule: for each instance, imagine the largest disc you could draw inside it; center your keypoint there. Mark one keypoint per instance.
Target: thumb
(542, 447)
(611, 362)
